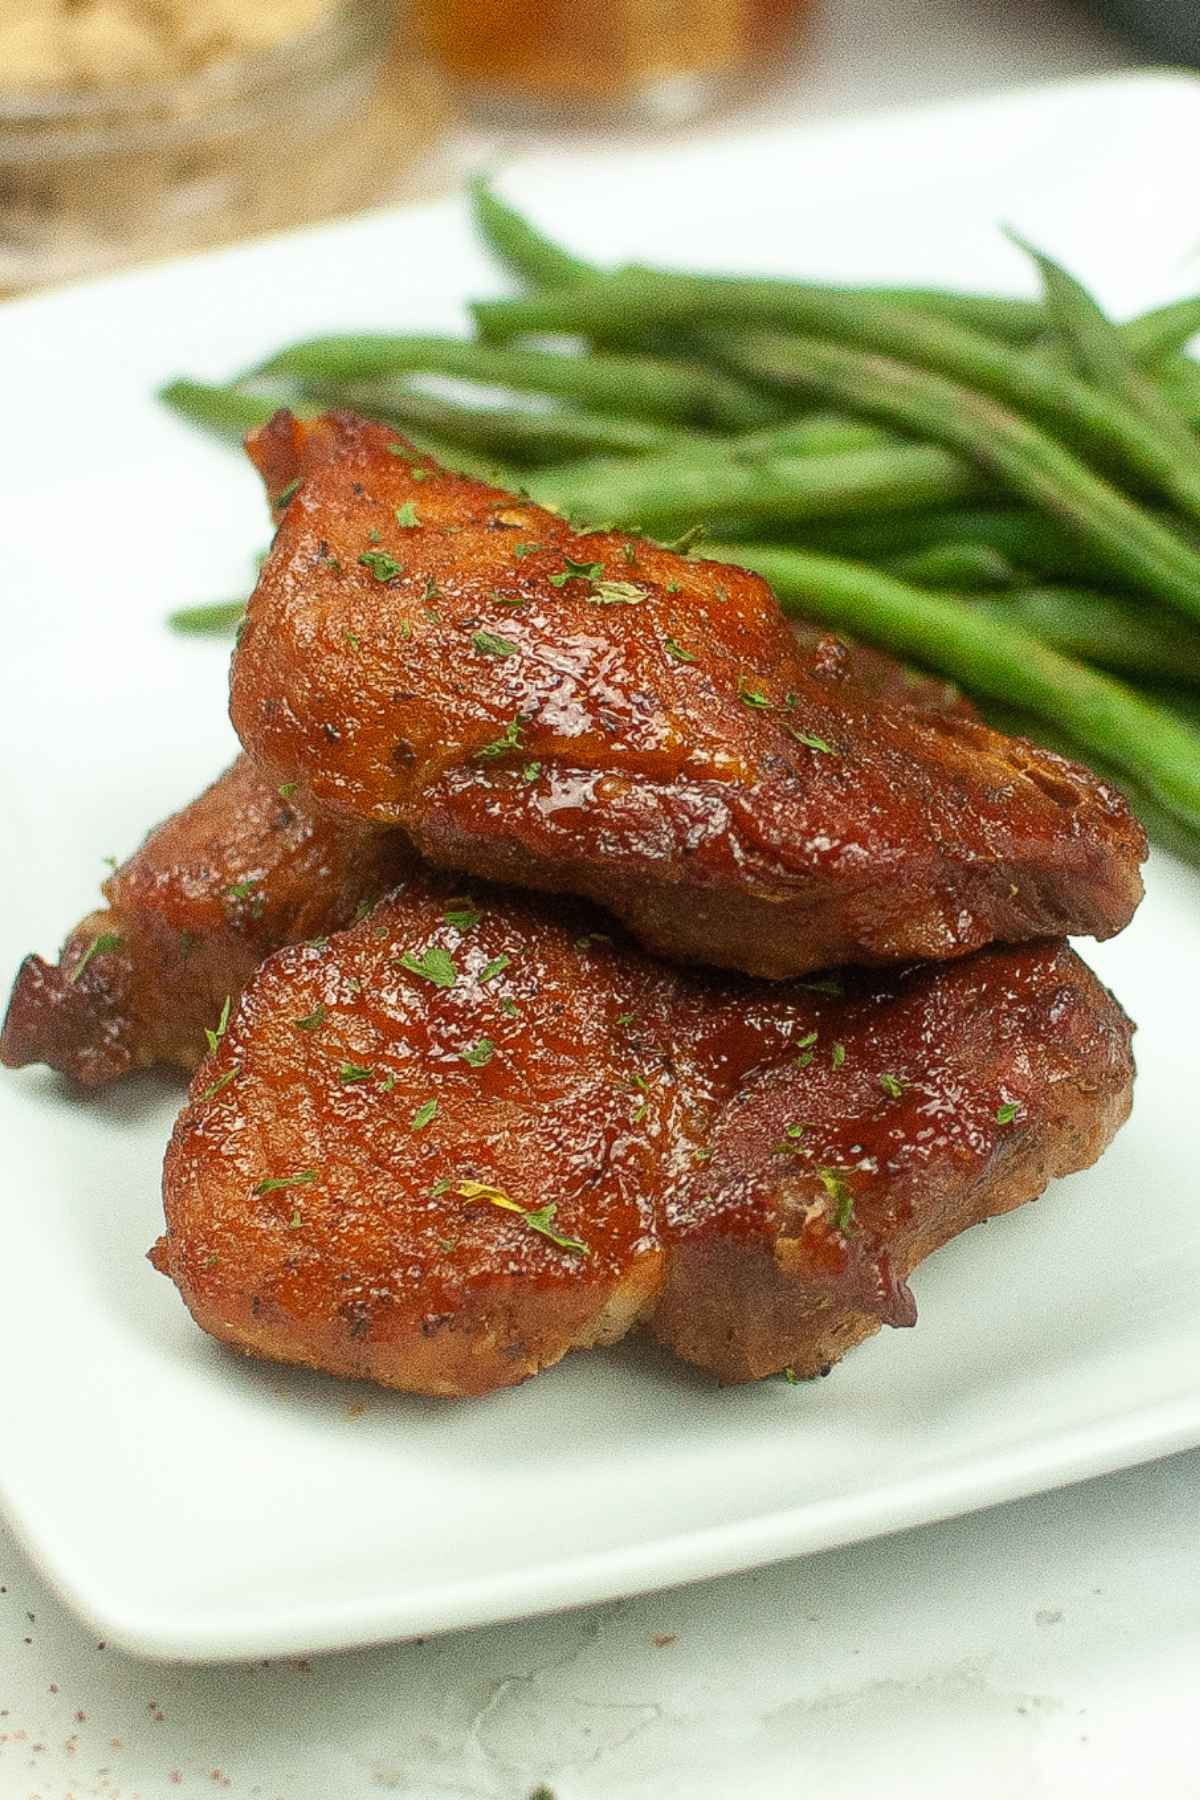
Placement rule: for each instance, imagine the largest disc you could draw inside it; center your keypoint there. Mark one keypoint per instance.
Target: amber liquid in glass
(584, 54)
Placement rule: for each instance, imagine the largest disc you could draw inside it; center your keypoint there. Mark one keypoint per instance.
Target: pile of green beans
(1004, 491)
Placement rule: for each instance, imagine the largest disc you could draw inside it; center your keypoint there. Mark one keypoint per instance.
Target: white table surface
(1048, 1648)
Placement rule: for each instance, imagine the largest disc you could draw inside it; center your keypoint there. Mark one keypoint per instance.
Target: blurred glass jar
(96, 177)
(592, 62)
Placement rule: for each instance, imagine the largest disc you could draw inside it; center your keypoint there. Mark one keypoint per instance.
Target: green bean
(226, 410)
(1180, 381)
(1106, 360)
(519, 245)
(1104, 427)
(991, 657)
(674, 493)
(641, 387)
(1029, 541)
(1157, 334)
(524, 433)
(1106, 629)
(817, 434)
(1134, 543)
(954, 565)
(216, 618)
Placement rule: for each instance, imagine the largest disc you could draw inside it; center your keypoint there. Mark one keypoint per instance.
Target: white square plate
(194, 1505)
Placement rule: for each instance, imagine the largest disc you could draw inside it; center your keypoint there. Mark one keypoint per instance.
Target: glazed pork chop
(238, 873)
(473, 1132)
(190, 915)
(594, 714)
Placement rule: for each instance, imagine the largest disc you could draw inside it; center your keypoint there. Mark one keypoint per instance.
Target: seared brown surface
(234, 875)
(644, 732)
(753, 1169)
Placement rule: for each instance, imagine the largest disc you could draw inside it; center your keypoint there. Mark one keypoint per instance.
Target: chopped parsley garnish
(617, 593)
(432, 590)
(424, 1115)
(462, 915)
(672, 587)
(510, 740)
(241, 890)
(751, 696)
(891, 1085)
(790, 1376)
(791, 1140)
(496, 967)
(353, 639)
(312, 1021)
(828, 984)
(214, 1037)
(525, 549)
(703, 1154)
(508, 1005)
(835, 1186)
(573, 571)
(435, 965)
(406, 515)
(691, 537)
(273, 1182)
(350, 1072)
(804, 1043)
(286, 494)
(837, 1055)
(810, 739)
(479, 1054)
(214, 1087)
(388, 1083)
(675, 648)
(488, 644)
(107, 940)
(1007, 1113)
(382, 566)
(530, 772)
(286, 789)
(540, 1219)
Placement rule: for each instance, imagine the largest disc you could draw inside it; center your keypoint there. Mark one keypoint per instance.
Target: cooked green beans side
(991, 657)
(1115, 633)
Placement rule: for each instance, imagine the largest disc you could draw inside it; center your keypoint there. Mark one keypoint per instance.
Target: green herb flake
(273, 1183)
(214, 1037)
(810, 739)
(435, 965)
(617, 593)
(296, 1220)
(530, 772)
(222, 1081)
(806, 1042)
(405, 630)
(508, 1005)
(676, 649)
(374, 535)
(837, 1055)
(496, 967)
(828, 984)
(790, 1376)
(540, 1219)
(834, 1184)
(509, 740)
(672, 587)
(520, 550)
(312, 1021)
(388, 1083)
(286, 789)
(432, 590)
(480, 1054)
(752, 696)
(406, 515)
(353, 639)
(892, 1086)
(1007, 1113)
(703, 1154)
(242, 890)
(352, 1072)
(691, 537)
(488, 644)
(424, 1115)
(573, 571)
(215, 616)
(462, 915)
(286, 494)
(440, 1187)
(382, 566)
(106, 940)
(629, 552)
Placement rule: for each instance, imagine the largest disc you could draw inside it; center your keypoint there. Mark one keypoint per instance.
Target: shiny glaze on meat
(646, 734)
(209, 893)
(752, 1169)
(187, 941)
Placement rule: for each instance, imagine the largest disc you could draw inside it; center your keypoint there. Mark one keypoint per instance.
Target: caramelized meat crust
(472, 1133)
(594, 714)
(190, 916)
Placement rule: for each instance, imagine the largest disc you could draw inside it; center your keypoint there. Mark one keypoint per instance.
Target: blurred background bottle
(592, 62)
